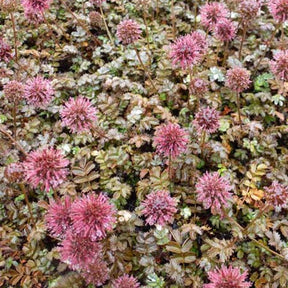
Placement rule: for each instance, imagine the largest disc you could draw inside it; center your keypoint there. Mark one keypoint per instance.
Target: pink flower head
(200, 38)
(211, 13)
(38, 92)
(159, 208)
(227, 278)
(207, 119)
(128, 31)
(277, 194)
(225, 30)
(238, 79)
(279, 9)
(96, 273)
(46, 167)
(58, 219)
(33, 17)
(125, 281)
(279, 66)
(93, 216)
(249, 9)
(38, 6)
(5, 51)
(213, 191)
(14, 172)
(14, 91)
(170, 140)
(188, 50)
(78, 114)
(198, 86)
(79, 251)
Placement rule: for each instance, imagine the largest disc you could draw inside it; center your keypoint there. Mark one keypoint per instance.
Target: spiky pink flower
(38, 6)
(188, 50)
(213, 191)
(93, 216)
(198, 86)
(128, 31)
(279, 66)
(58, 219)
(5, 51)
(279, 9)
(33, 17)
(38, 92)
(249, 9)
(46, 167)
(78, 251)
(211, 13)
(78, 114)
(200, 38)
(238, 79)
(225, 30)
(207, 119)
(125, 281)
(170, 140)
(227, 278)
(14, 91)
(14, 172)
(277, 194)
(96, 273)
(159, 208)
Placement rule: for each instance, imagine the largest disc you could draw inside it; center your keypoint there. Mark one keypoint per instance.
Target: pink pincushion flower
(249, 9)
(225, 30)
(46, 167)
(279, 66)
(125, 281)
(277, 194)
(38, 6)
(227, 278)
(14, 91)
(93, 216)
(211, 13)
(78, 114)
(96, 273)
(79, 251)
(38, 92)
(198, 86)
(58, 219)
(128, 31)
(159, 208)
(188, 50)
(213, 191)
(207, 119)
(238, 79)
(279, 9)
(170, 140)
(5, 51)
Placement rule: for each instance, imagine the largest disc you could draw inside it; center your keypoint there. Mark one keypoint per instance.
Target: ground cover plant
(143, 143)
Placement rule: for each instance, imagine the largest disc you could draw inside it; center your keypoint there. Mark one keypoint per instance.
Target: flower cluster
(279, 9)
(225, 30)
(249, 9)
(5, 51)
(36, 6)
(198, 86)
(125, 281)
(279, 66)
(159, 208)
(277, 194)
(207, 119)
(238, 79)
(14, 91)
(128, 31)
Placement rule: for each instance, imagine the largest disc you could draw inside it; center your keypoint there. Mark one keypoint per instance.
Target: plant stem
(23, 189)
(202, 143)
(195, 16)
(15, 35)
(106, 26)
(282, 37)
(225, 53)
(173, 20)
(170, 173)
(242, 41)
(147, 34)
(14, 113)
(238, 107)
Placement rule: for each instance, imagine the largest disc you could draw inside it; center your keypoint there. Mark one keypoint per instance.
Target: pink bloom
(213, 191)
(207, 119)
(279, 9)
(78, 114)
(238, 79)
(33, 17)
(46, 167)
(198, 86)
(92, 216)
(79, 251)
(159, 208)
(128, 31)
(227, 278)
(58, 219)
(279, 66)
(249, 9)
(38, 6)
(225, 30)
(211, 13)
(96, 273)
(38, 92)
(125, 281)
(5, 51)
(170, 140)
(188, 50)
(277, 194)
(14, 172)
(14, 91)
